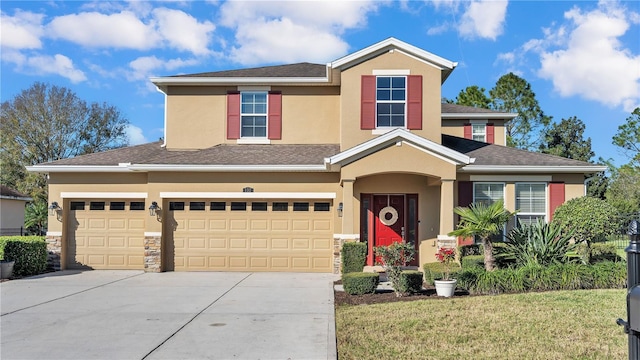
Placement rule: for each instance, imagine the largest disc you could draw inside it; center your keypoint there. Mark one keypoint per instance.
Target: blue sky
(582, 58)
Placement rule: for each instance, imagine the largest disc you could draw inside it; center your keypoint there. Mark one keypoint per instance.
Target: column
(446, 213)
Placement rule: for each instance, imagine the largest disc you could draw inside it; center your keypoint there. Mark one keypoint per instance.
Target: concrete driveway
(196, 315)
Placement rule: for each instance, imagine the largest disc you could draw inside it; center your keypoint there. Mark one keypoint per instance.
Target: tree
(46, 123)
(566, 139)
(483, 221)
(473, 96)
(589, 219)
(624, 191)
(628, 137)
(35, 217)
(513, 94)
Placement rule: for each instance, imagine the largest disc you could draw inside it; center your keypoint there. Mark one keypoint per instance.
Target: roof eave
(228, 168)
(203, 81)
(532, 169)
(494, 116)
(19, 198)
(76, 168)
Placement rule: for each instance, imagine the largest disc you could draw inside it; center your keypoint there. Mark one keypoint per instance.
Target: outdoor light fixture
(53, 208)
(340, 208)
(154, 209)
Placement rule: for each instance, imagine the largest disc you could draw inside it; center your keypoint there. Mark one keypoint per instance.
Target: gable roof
(497, 158)
(345, 62)
(390, 139)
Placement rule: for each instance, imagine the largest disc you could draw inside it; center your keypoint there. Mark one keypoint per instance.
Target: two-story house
(273, 168)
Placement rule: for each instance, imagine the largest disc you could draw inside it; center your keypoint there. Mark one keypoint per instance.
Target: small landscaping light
(340, 208)
(53, 208)
(153, 209)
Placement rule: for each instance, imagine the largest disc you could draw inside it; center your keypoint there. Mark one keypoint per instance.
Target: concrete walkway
(197, 315)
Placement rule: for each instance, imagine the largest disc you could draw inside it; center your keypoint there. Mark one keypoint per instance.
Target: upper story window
(479, 132)
(253, 114)
(391, 95)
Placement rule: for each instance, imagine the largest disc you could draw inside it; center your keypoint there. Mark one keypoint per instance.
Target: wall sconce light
(340, 208)
(54, 208)
(154, 209)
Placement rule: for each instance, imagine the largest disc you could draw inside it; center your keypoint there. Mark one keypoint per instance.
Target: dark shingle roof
(460, 109)
(497, 155)
(302, 70)
(224, 154)
(9, 192)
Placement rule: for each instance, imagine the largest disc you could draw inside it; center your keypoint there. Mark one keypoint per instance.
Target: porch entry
(388, 218)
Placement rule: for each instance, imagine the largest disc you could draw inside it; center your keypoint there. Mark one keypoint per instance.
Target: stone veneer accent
(54, 250)
(152, 252)
(338, 241)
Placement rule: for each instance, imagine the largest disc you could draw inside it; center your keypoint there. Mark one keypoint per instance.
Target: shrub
(358, 283)
(410, 281)
(354, 255)
(534, 277)
(600, 252)
(28, 252)
(433, 271)
(394, 257)
(472, 261)
(469, 250)
(539, 243)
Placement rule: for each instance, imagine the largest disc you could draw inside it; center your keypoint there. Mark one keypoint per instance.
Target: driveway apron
(195, 315)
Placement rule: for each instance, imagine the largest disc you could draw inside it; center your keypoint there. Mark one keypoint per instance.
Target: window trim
(248, 139)
(504, 200)
(546, 200)
(404, 102)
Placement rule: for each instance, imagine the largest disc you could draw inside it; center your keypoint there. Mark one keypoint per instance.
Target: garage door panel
(254, 240)
(105, 238)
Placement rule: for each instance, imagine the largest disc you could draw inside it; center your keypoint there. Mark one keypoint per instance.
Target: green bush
(434, 271)
(393, 258)
(534, 277)
(358, 283)
(28, 252)
(538, 243)
(354, 255)
(473, 261)
(600, 252)
(410, 281)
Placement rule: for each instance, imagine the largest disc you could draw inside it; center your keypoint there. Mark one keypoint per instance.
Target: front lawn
(577, 324)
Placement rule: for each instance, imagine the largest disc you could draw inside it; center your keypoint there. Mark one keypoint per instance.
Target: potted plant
(446, 286)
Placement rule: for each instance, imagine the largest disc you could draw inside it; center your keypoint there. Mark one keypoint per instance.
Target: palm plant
(483, 221)
(539, 243)
(35, 217)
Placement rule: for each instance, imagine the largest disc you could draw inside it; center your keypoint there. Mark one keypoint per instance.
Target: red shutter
(490, 133)
(275, 115)
(467, 131)
(368, 102)
(556, 197)
(414, 102)
(465, 193)
(233, 115)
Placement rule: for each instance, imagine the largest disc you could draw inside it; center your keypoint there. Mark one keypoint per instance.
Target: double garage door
(204, 235)
(251, 235)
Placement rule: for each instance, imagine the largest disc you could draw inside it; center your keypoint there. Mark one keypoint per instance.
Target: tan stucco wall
(196, 116)
(456, 128)
(351, 89)
(11, 213)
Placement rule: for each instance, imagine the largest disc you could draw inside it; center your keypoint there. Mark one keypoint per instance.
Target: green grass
(550, 325)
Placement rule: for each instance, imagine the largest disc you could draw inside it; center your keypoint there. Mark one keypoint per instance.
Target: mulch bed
(387, 296)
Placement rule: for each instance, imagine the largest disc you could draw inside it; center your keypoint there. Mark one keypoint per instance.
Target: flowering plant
(446, 256)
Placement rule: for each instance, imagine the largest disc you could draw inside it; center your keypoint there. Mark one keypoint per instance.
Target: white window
(531, 202)
(479, 132)
(391, 95)
(488, 193)
(253, 114)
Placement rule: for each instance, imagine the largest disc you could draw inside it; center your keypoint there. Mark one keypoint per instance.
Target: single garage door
(106, 234)
(252, 235)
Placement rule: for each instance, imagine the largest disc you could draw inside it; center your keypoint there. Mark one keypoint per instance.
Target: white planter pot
(445, 288)
(6, 269)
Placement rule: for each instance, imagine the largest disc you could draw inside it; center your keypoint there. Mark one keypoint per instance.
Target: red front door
(389, 224)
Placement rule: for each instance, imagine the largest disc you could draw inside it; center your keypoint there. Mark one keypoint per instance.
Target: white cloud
(289, 31)
(483, 19)
(57, 64)
(93, 29)
(182, 31)
(135, 135)
(145, 66)
(21, 31)
(589, 60)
